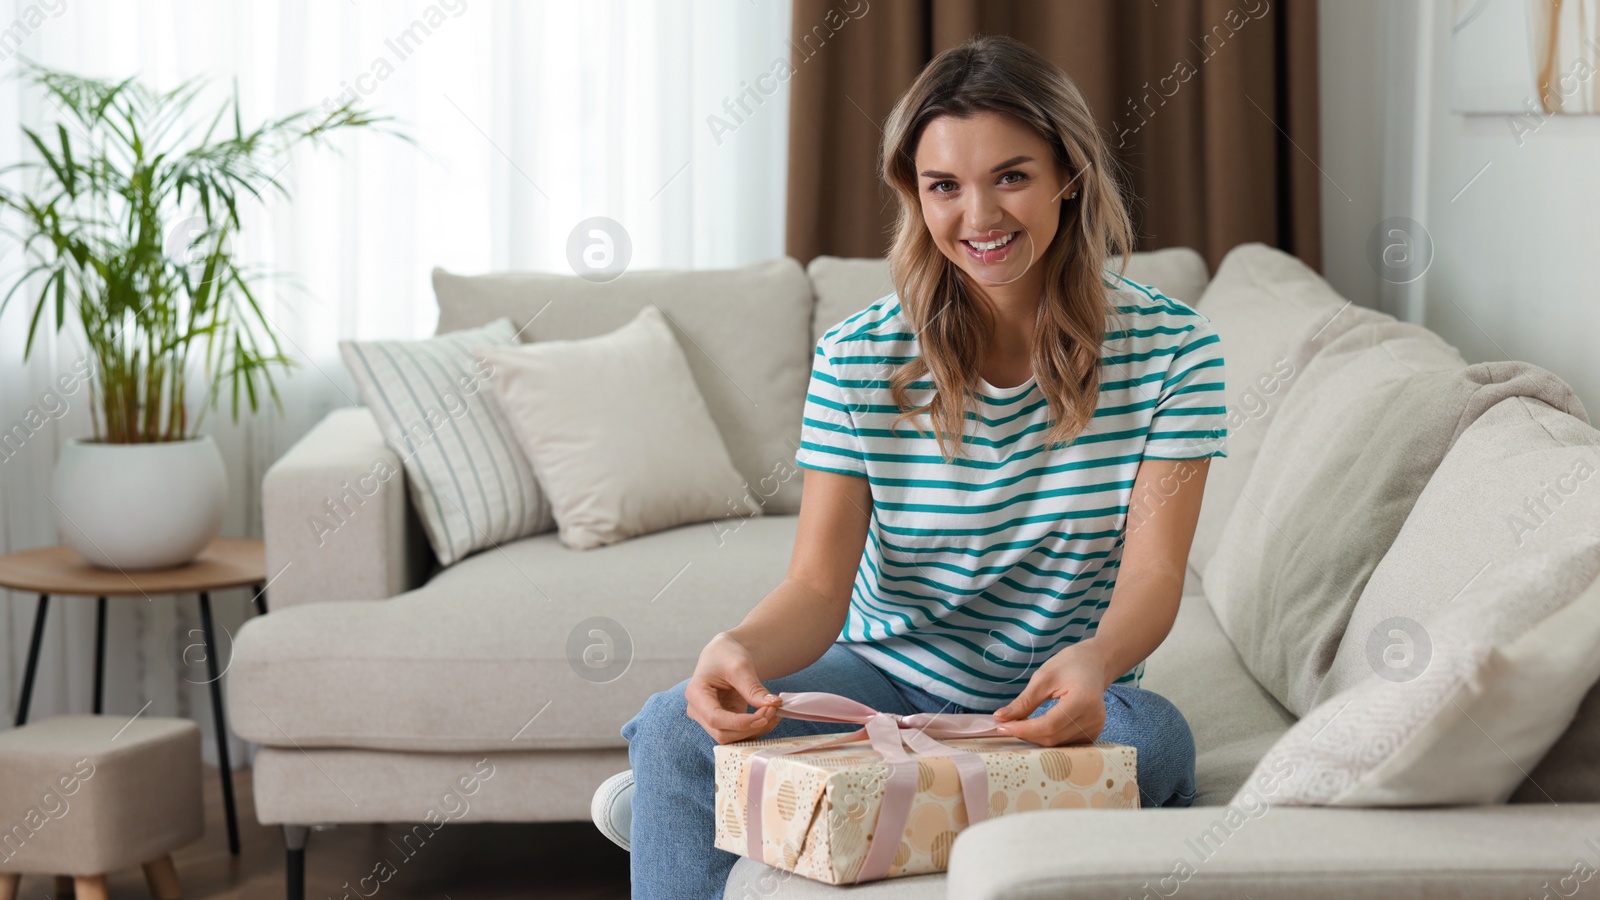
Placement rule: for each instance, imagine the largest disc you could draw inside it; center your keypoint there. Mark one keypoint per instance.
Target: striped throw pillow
(468, 478)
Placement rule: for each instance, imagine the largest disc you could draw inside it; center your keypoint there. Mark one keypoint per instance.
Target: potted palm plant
(127, 235)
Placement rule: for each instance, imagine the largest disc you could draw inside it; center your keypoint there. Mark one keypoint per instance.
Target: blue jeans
(671, 755)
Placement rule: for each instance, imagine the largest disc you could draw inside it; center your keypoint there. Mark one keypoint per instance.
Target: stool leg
(162, 876)
(8, 885)
(39, 614)
(294, 841)
(221, 722)
(99, 655)
(91, 887)
(261, 599)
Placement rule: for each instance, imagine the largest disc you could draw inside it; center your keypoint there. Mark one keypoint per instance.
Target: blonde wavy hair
(995, 73)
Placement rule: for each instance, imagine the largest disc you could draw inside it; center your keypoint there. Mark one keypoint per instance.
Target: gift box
(889, 799)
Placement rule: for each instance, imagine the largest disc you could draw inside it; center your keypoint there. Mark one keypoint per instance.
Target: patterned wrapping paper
(819, 807)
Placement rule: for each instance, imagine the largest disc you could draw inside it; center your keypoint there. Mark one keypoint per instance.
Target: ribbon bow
(889, 735)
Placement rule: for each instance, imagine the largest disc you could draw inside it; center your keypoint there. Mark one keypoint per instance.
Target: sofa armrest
(1518, 850)
(338, 521)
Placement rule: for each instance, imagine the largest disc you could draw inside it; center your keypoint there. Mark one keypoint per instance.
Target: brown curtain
(1224, 158)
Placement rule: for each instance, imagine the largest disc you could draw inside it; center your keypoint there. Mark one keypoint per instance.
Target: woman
(936, 574)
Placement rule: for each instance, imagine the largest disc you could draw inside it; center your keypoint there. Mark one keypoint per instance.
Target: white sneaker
(612, 808)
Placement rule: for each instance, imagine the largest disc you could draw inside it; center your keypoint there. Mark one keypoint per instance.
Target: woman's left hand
(1075, 678)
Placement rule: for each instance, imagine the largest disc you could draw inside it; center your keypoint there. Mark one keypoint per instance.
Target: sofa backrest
(745, 332)
(748, 332)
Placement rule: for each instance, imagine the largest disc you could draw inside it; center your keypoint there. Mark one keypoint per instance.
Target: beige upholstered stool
(81, 796)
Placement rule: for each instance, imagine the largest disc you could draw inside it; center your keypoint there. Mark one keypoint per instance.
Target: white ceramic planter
(139, 506)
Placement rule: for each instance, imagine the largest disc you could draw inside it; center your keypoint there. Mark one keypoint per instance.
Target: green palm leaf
(125, 169)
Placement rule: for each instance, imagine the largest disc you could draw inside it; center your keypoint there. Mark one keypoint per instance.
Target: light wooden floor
(564, 861)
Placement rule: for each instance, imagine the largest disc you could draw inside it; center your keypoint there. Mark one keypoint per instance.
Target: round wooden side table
(54, 571)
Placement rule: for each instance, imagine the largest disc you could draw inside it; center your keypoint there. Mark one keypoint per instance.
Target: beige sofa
(377, 685)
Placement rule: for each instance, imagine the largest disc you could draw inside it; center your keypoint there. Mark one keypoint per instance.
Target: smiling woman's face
(989, 178)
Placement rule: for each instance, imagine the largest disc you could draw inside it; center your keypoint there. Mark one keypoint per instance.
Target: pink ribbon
(889, 735)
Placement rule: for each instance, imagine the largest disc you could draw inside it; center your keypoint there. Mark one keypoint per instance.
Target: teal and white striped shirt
(977, 571)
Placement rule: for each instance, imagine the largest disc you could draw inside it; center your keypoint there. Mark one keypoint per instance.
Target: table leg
(220, 721)
(33, 659)
(261, 599)
(99, 655)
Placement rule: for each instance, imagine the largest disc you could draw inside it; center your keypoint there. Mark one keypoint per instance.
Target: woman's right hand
(723, 684)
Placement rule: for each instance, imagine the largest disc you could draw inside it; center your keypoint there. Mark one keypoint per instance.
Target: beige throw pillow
(1488, 684)
(1521, 475)
(1359, 434)
(745, 331)
(469, 481)
(1274, 314)
(618, 433)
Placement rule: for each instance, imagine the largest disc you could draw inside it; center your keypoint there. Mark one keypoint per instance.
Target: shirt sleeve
(1191, 415)
(829, 441)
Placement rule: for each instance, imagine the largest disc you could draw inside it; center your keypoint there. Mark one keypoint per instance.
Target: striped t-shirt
(977, 571)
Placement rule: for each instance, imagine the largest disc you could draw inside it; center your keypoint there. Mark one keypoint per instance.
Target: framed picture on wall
(1525, 57)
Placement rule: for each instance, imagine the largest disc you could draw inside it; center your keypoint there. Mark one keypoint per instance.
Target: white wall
(1350, 70)
(1516, 266)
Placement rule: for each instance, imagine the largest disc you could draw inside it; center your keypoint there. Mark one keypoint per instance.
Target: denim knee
(1153, 724)
(1166, 719)
(662, 719)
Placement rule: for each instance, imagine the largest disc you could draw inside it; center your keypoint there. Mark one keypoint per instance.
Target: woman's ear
(1069, 178)
(1064, 185)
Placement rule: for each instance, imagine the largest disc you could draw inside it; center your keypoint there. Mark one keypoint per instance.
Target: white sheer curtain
(529, 117)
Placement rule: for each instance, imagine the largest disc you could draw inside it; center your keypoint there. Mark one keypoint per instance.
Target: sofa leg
(294, 839)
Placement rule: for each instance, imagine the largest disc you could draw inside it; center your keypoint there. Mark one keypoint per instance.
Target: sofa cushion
(292, 786)
(1178, 272)
(1274, 314)
(1521, 474)
(750, 879)
(469, 482)
(1456, 707)
(1234, 721)
(1359, 435)
(745, 332)
(618, 433)
(1256, 852)
(845, 287)
(1480, 510)
(526, 646)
